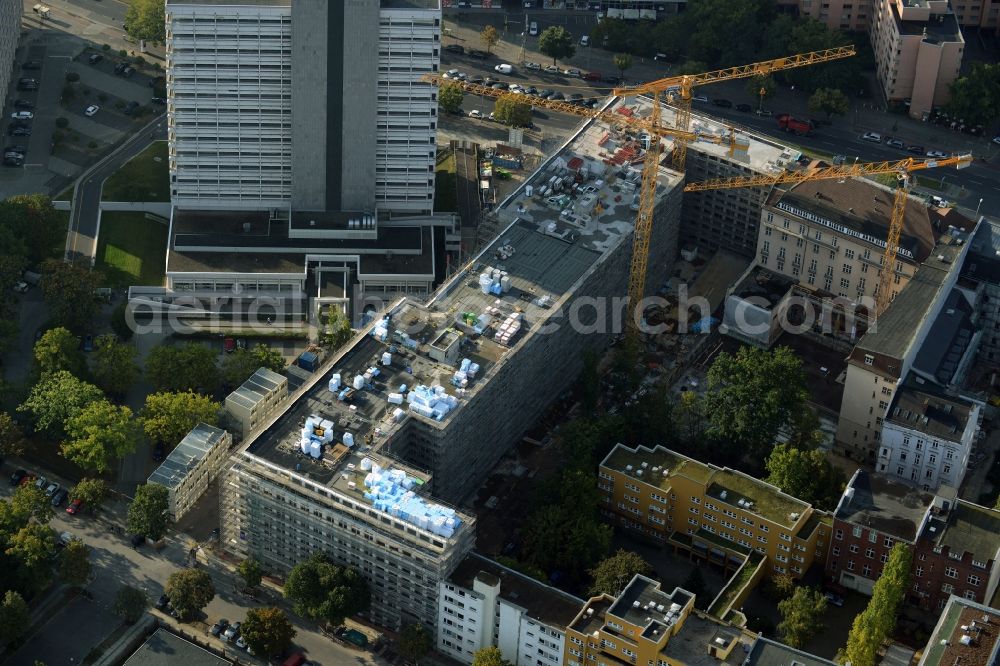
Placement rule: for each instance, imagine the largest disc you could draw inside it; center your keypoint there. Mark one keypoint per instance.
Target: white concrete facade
(248, 407)
(191, 466)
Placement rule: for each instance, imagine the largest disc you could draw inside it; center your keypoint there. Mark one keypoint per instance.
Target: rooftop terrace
(887, 506)
(643, 604)
(962, 618)
(187, 454)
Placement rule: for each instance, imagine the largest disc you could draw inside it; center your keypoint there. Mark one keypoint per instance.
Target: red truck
(790, 124)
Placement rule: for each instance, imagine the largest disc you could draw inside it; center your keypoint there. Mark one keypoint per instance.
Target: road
(82, 240)
(116, 563)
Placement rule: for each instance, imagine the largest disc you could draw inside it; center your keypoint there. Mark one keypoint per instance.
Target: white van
(504, 69)
(533, 30)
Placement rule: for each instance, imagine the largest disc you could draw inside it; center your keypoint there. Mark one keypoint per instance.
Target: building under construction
(449, 384)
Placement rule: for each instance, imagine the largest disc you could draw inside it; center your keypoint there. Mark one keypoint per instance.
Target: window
(919, 572)
(866, 571)
(870, 553)
(838, 535)
(869, 359)
(854, 548)
(873, 536)
(836, 550)
(845, 283)
(974, 580)
(857, 531)
(850, 565)
(847, 269)
(951, 572)
(947, 588)
(970, 594)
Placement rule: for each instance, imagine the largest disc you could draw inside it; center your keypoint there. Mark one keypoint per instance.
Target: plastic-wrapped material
(423, 410)
(316, 449)
(366, 464)
(359, 382)
(386, 358)
(304, 444)
(335, 383)
(395, 398)
(402, 388)
(464, 366)
(348, 439)
(398, 414)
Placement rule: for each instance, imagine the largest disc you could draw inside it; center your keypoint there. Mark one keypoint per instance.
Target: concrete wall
(310, 19)
(360, 77)
(10, 31)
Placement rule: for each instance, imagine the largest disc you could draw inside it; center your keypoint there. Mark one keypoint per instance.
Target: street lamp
(978, 205)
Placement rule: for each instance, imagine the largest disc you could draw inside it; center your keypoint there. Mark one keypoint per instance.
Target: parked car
(32, 64)
(533, 28)
(231, 631)
(936, 153)
(574, 72)
(162, 602)
(21, 286)
(722, 103)
(455, 48)
(834, 599)
(476, 79)
(120, 67)
(504, 68)
(27, 84)
(874, 137)
(51, 489)
(75, 507)
(534, 66)
(764, 112)
(745, 108)
(699, 98)
(158, 100)
(592, 76)
(476, 53)
(95, 58)
(18, 476)
(130, 108)
(92, 110)
(451, 74)
(87, 344)
(916, 150)
(13, 161)
(219, 627)
(240, 643)
(128, 71)
(41, 483)
(996, 139)
(23, 104)
(59, 497)
(585, 40)
(552, 69)
(476, 113)
(17, 130)
(28, 479)
(137, 540)
(229, 345)
(896, 143)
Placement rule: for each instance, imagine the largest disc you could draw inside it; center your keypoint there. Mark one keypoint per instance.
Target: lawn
(142, 178)
(445, 188)
(131, 249)
(65, 195)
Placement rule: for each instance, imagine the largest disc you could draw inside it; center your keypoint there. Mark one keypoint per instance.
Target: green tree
(622, 61)
(26, 504)
(490, 37)
(613, 573)
(251, 572)
(74, 563)
(189, 590)
(56, 398)
(810, 35)
(145, 19)
(782, 585)
(11, 436)
(39, 228)
(758, 83)
(69, 291)
(267, 631)
(807, 475)
(337, 329)
(557, 43)
(691, 67)
(92, 492)
(829, 101)
(689, 417)
(752, 395)
(512, 110)
(130, 604)
(323, 591)
(695, 584)
(975, 97)
(168, 417)
(489, 656)
(32, 548)
(113, 365)
(414, 642)
(147, 514)
(450, 97)
(190, 367)
(14, 617)
(238, 366)
(876, 623)
(58, 349)
(102, 433)
(801, 615)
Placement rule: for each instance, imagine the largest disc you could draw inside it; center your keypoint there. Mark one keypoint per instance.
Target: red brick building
(955, 542)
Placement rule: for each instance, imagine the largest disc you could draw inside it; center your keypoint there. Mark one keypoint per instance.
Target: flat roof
(655, 607)
(591, 616)
(723, 484)
(972, 529)
(885, 505)
(410, 4)
(542, 602)
(761, 283)
(690, 646)
(939, 28)
(256, 388)
(945, 646)
(163, 648)
(919, 407)
(948, 340)
(188, 453)
(983, 261)
(766, 652)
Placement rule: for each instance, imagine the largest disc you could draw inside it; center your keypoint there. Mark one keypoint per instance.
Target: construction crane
(649, 125)
(681, 85)
(901, 167)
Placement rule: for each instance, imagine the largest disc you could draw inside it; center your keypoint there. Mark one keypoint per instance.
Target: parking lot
(55, 82)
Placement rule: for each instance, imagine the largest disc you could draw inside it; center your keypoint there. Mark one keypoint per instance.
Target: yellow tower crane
(681, 86)
(901, 167)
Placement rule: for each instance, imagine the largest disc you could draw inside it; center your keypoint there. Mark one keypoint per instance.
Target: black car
(32, 64)
(19, 131)
(17, 476)
(13, 161)
(27, 84)
(24, 104)
(557, 95)
(21, 150)
(476, 79)
(476, 53)
(723, 103)
(219, 627)
(531, 90)
(916, 150)
(455, 48)
(159, 100)
(745, 108)
(120, 67)
(130, 108)
(128, 71)
(59, 497)
(95, 58)
(162, 602)
(158, 452)
(137, 540)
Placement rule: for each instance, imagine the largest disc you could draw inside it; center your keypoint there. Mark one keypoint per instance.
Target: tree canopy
(807, 475)
(69, 290)
(189, 590)
(113, 365)
(145, 19)
(876, 623)
(323, 591)
(975, 97)
(188, 367)
(99, 435)
(267, 631)
(168, 417)
(450, 97)
(36, 228)
(58, 349)
(74, 563)
(512, 110)
(613, 573)
(56, 398)
(240, 364)
(15, 618)
(622, 61)
(92, 492)
(32, 548)
(490, 37)
(337, 328)
(751, 396)
(829, 101)
(557, 43)
(130, 604)
(147, 514)
(250, 571)
(11, 436)
(414, 642)
(801, 615)
(489, 656)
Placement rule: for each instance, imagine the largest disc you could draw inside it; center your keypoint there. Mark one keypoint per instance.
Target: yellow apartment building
(715, 514)
(646, 626)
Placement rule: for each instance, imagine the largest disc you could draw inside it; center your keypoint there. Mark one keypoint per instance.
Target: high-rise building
(302, 154)
(10, 31)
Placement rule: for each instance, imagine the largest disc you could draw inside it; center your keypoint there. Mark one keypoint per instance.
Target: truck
(791, 124)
